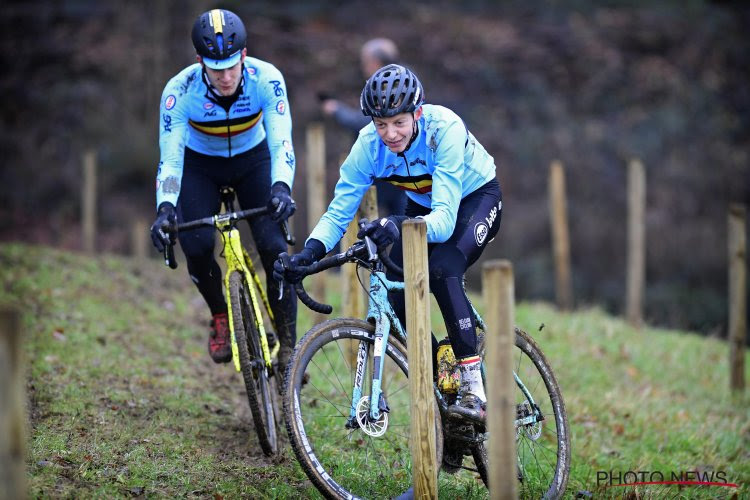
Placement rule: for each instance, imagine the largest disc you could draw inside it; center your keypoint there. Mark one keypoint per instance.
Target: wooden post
(560, 238)
(498, 292)
(12, 413)
(353, 299)
(88, 201)
(737, 296)
(636, 269)
(369, 206)
(316, 192)
(139, 238)
(419, 351)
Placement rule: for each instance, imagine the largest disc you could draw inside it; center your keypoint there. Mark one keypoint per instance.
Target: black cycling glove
(286, 267)
(383, 231)
(163, 230)
(281, 204)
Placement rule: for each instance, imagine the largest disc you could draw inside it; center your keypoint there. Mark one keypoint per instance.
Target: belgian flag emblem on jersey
(227, 128)
(417, 184)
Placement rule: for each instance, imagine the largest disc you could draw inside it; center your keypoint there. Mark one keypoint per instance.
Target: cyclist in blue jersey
(225, 121)
(450, 181)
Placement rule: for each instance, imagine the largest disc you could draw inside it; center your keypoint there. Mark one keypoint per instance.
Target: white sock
(471, 377)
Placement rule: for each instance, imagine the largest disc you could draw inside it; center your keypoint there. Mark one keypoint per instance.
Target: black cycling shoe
(469, 408)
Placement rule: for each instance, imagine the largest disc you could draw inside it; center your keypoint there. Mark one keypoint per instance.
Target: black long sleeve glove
(281, 204)
(383, 231)
(163, 229)
(286, 267)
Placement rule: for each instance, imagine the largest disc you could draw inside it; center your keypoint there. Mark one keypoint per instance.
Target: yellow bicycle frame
(238, 259)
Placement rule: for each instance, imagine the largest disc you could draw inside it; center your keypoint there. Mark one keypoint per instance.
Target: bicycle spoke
(328, 379)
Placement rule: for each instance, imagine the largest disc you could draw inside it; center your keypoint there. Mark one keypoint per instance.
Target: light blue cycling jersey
(191, 117)
(443, 165)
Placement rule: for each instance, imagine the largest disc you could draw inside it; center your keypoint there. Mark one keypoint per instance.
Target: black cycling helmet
(391, 90)
(219, 37)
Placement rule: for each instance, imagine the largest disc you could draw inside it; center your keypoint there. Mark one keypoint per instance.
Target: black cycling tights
(250, 175)
(477, 223)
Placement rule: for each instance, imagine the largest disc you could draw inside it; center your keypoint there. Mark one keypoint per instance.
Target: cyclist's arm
(447, 187)
(356, 177)
(277, 121)
(173, 134)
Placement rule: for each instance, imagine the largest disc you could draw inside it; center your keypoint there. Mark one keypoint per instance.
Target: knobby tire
(260, 394)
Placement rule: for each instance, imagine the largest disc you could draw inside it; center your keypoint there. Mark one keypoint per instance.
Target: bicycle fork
(237, 259)
(370, 412)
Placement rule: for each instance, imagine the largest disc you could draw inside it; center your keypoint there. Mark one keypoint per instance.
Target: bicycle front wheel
(260, 394)
(345, 458)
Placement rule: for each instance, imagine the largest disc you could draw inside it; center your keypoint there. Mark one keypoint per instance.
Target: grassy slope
(124, 399)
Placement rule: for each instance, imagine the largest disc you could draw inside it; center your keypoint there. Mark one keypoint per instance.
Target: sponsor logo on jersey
(280, 107)
(480, 233)
(286, 145)
(170, 101)
(208, 105)
(167, 122)
(277, 88)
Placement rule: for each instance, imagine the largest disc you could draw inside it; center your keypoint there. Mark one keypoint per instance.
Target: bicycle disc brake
(374, 428)
(533, 431)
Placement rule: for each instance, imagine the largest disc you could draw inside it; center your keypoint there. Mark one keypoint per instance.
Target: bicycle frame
(238, 259)
(386, 322)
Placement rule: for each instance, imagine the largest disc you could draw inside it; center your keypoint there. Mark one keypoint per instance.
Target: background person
(373, 55)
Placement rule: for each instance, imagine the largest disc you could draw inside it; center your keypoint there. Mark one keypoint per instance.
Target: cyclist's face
(225, 81)
(395, 131)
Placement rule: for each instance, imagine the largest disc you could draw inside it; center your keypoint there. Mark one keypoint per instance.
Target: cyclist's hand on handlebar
(163, 229)
(281, 204)
(383, 231)
(287, 267)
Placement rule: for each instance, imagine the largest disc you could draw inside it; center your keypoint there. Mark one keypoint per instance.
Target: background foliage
(593, 84)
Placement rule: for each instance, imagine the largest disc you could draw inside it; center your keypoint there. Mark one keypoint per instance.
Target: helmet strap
(414, 132)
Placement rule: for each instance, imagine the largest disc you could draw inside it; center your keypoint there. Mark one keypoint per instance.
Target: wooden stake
(417, 292)
(498, 289)
(560, 237)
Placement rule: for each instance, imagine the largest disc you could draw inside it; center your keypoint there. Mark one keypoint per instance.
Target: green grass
(123, 399)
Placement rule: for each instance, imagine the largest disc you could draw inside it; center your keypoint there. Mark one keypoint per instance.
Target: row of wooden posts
(498, 289)
(315, 185)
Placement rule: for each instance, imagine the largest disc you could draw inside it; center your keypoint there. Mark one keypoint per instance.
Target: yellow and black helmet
(219, 37)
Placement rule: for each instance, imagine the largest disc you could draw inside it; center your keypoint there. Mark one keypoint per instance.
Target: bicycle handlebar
(169, 258)
(361, 250)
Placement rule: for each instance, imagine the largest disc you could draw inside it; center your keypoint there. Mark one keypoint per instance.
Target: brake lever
(372, 249)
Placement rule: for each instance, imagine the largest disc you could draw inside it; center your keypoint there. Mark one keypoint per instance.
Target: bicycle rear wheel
(260, 393)
(543, 447)
(344, 461)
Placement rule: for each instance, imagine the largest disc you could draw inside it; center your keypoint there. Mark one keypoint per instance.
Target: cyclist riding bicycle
(225, 121)
(450, 181)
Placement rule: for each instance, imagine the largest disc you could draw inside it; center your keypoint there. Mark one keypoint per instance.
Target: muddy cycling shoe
(470, 409)
(272, 339)
(219, 344)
